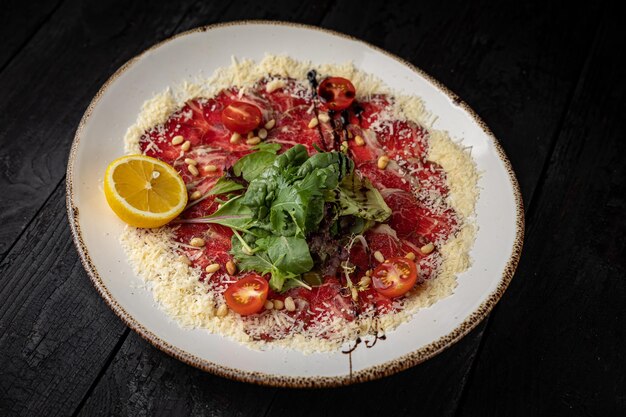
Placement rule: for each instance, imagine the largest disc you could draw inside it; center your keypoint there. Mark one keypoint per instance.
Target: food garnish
(247, 296)
(394, 277)
(241, 117)
(286, 199)
(143, 191)
(337, 93)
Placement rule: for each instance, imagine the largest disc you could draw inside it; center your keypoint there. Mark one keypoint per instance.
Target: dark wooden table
(546, 79)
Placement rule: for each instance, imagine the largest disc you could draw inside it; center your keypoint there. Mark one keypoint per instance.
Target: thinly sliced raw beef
(291, 106)
(413, 187)
(397, 137)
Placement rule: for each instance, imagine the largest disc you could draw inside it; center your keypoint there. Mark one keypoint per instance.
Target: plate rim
(261, 378)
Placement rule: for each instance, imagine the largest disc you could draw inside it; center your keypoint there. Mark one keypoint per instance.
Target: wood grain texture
(440, 380)
(557, 343)
(64, 352)
(55, 332)
(49, 84)
(19, 21)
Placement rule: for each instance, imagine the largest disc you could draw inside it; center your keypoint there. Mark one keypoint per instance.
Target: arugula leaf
(224, 186)
(284, 257)
(359, 198)
(299, 209)
(263, 189)
(288, 253)
(252, 165)
(339, 162)
(232, 214)
(293, 157)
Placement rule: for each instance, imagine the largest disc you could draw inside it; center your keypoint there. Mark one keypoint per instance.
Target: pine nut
(222, 310)
(278, 304)
(262, 133)
(198, 242)
(209, 168)
(289, 304)
(268, 305)
(235, 138)
(194, 171)
(427, 248)
(195, 195)
(379, 256)
(270, 124)
(365, 281)
(359, 140)
(368, 272)
(184, 260)
(190, 161)
(186, 146)
(231, 268)
(383, 161)
(314, 122)
(254, 140)
(177, 140)
(212, 268)
(323, 117)
(410, 256)
(250, 134)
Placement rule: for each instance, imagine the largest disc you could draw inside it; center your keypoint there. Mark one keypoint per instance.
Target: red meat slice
(402, 138)
(383, 179)
(372, 109)
(292, 108)
(216, 248)
(327, 298)
(395, 137)
(417, 222)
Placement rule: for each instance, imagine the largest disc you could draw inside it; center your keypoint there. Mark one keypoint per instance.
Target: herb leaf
(224, 186)
(285, 202)
(252, 165)
(232, 214)
(359, 198)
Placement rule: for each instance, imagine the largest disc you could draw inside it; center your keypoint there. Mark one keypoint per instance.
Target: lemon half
(143, 191)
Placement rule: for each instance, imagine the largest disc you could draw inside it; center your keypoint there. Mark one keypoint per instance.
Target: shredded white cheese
(177, 288)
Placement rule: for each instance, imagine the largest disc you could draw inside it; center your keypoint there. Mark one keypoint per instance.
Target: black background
(545, 77)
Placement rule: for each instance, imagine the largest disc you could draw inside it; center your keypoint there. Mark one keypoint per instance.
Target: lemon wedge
(143, 191)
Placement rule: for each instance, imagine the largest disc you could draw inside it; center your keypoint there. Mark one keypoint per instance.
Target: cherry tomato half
(394, 277)
(247, 296)
(241, 117)
(337, 93)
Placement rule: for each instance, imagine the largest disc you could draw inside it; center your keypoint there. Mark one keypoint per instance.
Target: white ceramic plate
(99, 140)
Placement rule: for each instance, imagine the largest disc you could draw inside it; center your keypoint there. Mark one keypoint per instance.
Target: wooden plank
(55, 332)
(557, 342)
(66, 62)
(144, 381)
(19, 21)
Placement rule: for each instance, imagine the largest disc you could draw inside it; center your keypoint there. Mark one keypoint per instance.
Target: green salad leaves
(288, 197)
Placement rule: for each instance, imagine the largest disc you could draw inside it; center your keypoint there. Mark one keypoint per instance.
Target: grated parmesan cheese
(177, 288)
